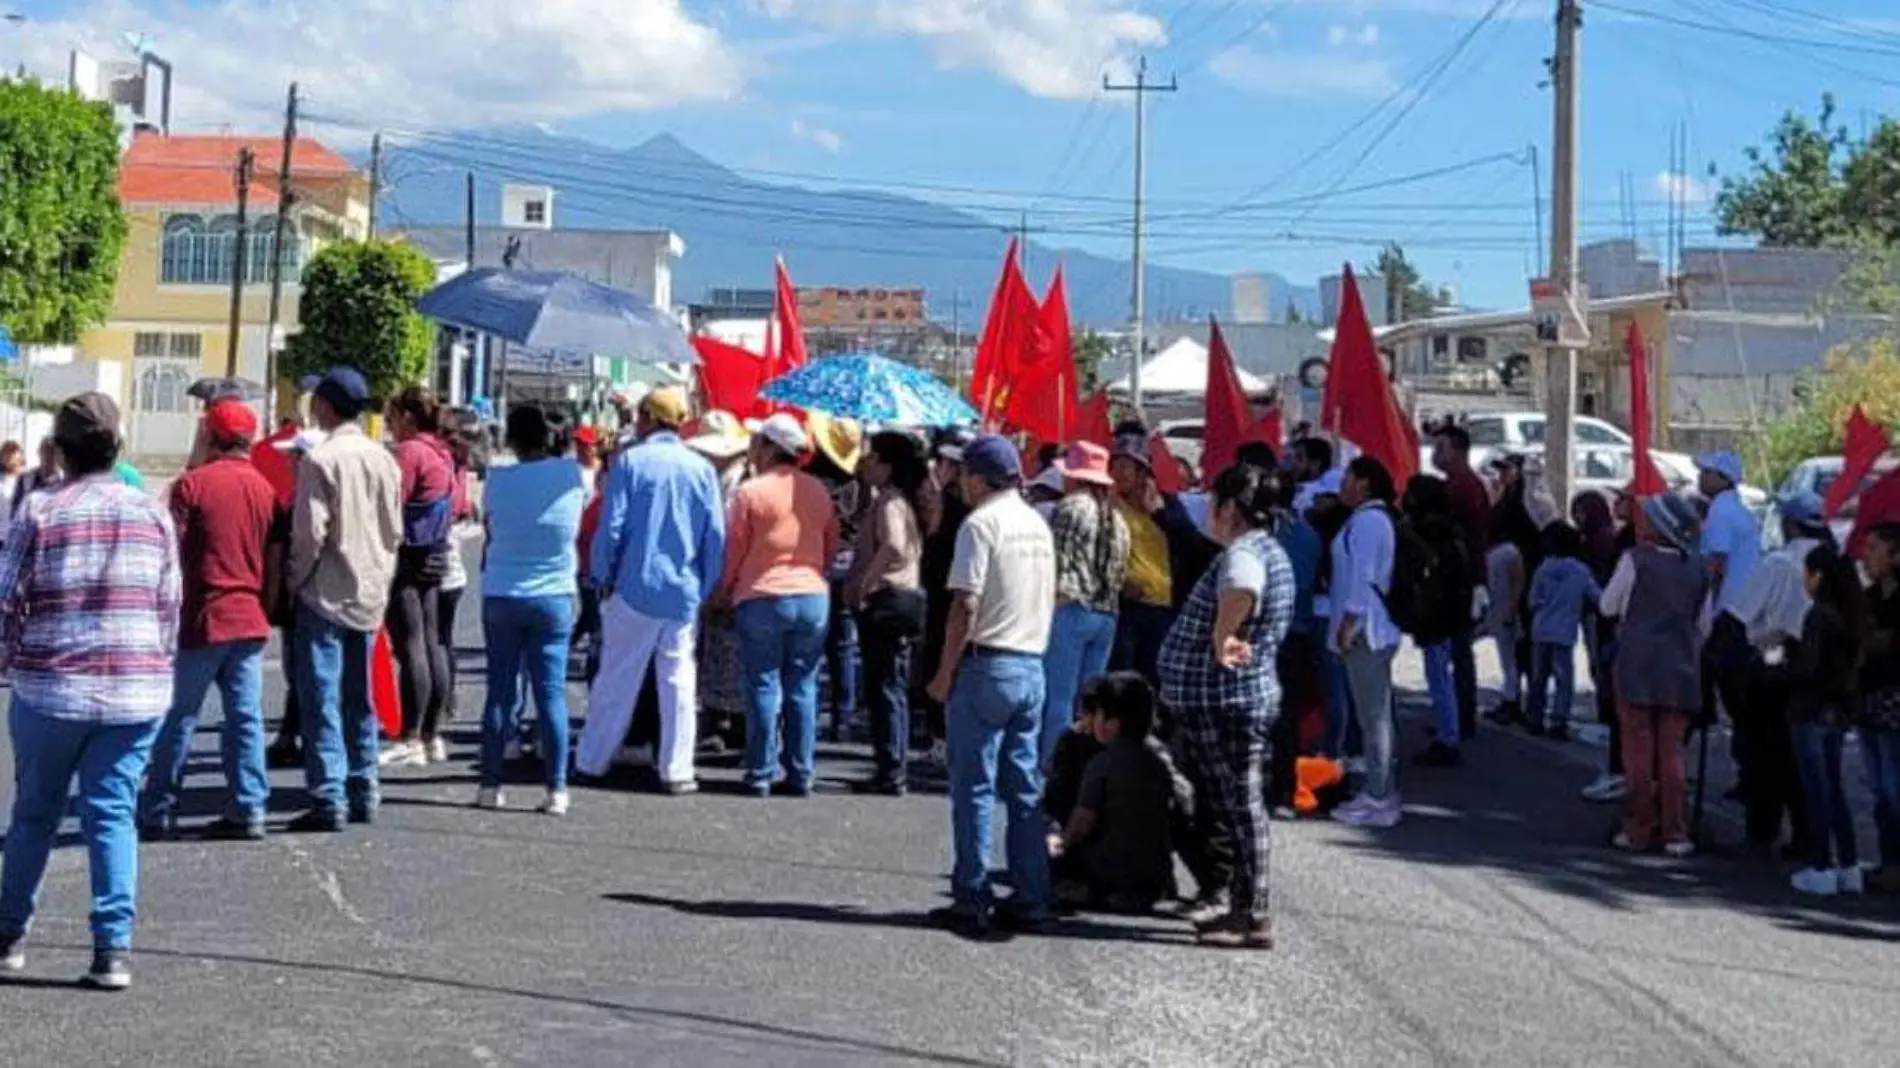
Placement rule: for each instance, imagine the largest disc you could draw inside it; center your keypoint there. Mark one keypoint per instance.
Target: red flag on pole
(1648, 479)
(1865, 443)
(1272, 429)
(1097, 425)
(1170, 476)
(1359, 406)
(729, 376)
(1040, 396)
(791, 336)
(1008, 336)
(1230, 423)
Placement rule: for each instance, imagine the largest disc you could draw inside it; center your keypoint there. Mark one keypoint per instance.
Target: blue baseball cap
(1804, 509)
(345, 388)
(1723, 463)
(993, 459)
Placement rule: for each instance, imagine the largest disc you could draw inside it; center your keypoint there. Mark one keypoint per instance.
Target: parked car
(1818, 475)
(1610, 468)
(1185, 438)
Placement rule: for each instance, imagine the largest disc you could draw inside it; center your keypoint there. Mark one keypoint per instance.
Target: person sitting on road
(1115, 850)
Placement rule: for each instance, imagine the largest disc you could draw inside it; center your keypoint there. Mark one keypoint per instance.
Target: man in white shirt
(1363, 634)
(1002, 584)
(1769, 608)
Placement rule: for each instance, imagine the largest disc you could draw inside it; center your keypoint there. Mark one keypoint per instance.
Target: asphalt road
(1490, 929)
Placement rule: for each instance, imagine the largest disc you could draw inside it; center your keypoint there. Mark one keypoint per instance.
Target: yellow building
(170, 320)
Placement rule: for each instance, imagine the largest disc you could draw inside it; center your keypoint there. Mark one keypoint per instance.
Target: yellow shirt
(1150, 580)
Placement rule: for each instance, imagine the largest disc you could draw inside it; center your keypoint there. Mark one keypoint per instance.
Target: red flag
(1041, 398)
(1879, 506)
(1865, 443)
(1648, 479)
(1096, 425)
(1272, 429)
(1170, 475)
(791, 336)
(1359, 406)
(729, 376)
(1230, 422)
(1008, 335)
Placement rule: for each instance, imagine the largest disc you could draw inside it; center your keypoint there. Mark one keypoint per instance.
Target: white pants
(629, 642)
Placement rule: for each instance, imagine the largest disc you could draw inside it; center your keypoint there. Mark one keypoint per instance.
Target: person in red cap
(223, 510)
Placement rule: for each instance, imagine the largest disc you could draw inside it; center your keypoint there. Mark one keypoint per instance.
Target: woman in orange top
(781, 533)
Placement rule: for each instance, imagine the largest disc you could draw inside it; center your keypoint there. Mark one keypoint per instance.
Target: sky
(1304, 133)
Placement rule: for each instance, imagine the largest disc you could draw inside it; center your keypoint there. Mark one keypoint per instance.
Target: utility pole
(1560, 366)
(240, 259)
(957, 304)
(1537, 201)
(1141, 89)
(286, 197)
(375, 179)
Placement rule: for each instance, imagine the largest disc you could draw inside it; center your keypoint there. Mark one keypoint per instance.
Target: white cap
(1052, 480)
(783, 431)
(306, 440)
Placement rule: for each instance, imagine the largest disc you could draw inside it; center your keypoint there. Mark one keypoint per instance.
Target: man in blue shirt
(1731, 542)
(1731, 548)
(658, 554)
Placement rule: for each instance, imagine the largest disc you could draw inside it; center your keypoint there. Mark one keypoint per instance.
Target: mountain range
(732, 225)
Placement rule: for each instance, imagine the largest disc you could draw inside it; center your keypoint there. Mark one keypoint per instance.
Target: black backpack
(1424, 589)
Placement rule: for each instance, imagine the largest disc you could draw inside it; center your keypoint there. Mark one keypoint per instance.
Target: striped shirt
(89, 600)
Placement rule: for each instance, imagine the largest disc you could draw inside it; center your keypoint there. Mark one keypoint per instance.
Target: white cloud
(1338, 35)
(1291, 74)
(1671, 185)
(1459, 9)
(1369, 34)
(438, 63)
(1049, 48)
(829, 140)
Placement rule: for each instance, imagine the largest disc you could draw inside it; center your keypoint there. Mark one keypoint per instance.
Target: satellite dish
(139, 43)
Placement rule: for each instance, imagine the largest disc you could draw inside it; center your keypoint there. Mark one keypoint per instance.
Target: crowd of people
(1135, 676)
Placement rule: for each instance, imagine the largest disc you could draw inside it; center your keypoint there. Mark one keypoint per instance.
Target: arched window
(183, 242)
(199, 251)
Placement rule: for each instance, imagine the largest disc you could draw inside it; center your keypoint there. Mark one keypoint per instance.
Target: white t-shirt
(1006, 557)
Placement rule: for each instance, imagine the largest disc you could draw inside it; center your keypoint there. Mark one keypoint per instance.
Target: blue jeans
(1343, 737)
(995, 728)
(1080, 642)
(109, 760)
(1139, 631)
(844, 664)
(238, 670)
(1552, 663)
(1881, 751)
(340, 732)
(781, 641)
(1440, 683)
(532, 635)
(1830, 837)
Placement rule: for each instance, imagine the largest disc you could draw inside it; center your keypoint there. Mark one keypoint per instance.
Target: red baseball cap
(231, 421)
(587, 435)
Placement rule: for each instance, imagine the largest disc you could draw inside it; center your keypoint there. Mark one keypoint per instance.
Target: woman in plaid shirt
(1217, 674)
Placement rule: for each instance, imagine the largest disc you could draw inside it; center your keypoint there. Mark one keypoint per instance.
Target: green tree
(60, 224)
(1090, 349)
(359, 308)
(1416, 300)
(1795, 193)
(1864, 373)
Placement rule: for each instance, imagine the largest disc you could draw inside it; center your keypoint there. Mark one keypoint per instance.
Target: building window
(201, 251)
(162, 390)
(534, 212)
(157, 346)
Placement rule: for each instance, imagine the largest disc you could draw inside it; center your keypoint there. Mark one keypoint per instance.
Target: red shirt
(428, 471)
(1471, 507)
(223, 511)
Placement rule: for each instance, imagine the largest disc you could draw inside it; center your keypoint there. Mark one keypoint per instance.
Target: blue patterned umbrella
(871, 389)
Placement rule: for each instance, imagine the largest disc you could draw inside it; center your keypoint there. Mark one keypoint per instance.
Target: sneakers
(1365, 811)
(491, 798)
(111, 970)
(404, 755)
(555, 805)
(1679, 849)
(437, 750)
(12, 954)
(682, 788)
(1851, 881)
(1622, 842)
(1236, 932)
(1208, 908)
(1815, 882)
(316, 821)
(1606, 788)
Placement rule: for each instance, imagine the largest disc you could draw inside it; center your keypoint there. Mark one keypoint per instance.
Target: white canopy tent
(1181, 368)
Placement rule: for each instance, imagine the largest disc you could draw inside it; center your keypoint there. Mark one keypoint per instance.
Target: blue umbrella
(9, 352)
(870, 389)
(560, 312)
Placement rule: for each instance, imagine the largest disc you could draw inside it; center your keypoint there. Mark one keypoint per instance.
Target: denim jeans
(1080, 643)
(781, 641)
(844, 665)
(531, 635)
(108, 759)
(1441, 683)
(1552, 665)
(1830, 820)
(340, 732)
(1343, 737)
(994, 722)
(1369, 674)
(237, 668)
(1139, 631)
(1881, 752)
(888, 655)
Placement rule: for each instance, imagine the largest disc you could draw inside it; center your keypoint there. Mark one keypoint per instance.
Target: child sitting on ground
(1562, 590)
(1115, 850)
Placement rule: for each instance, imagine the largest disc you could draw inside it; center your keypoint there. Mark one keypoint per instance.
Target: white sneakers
(1605, 789)
(408, 755)
(1818, 882)
(438, 750)
(1365, 811)
(556, 803)
(490, 797)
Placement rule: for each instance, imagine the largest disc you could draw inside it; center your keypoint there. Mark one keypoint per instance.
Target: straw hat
(720, 437)
(841, 440)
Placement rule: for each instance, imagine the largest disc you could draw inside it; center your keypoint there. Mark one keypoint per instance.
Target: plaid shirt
(1190, 677)
(89, 599)
(1091, 540)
